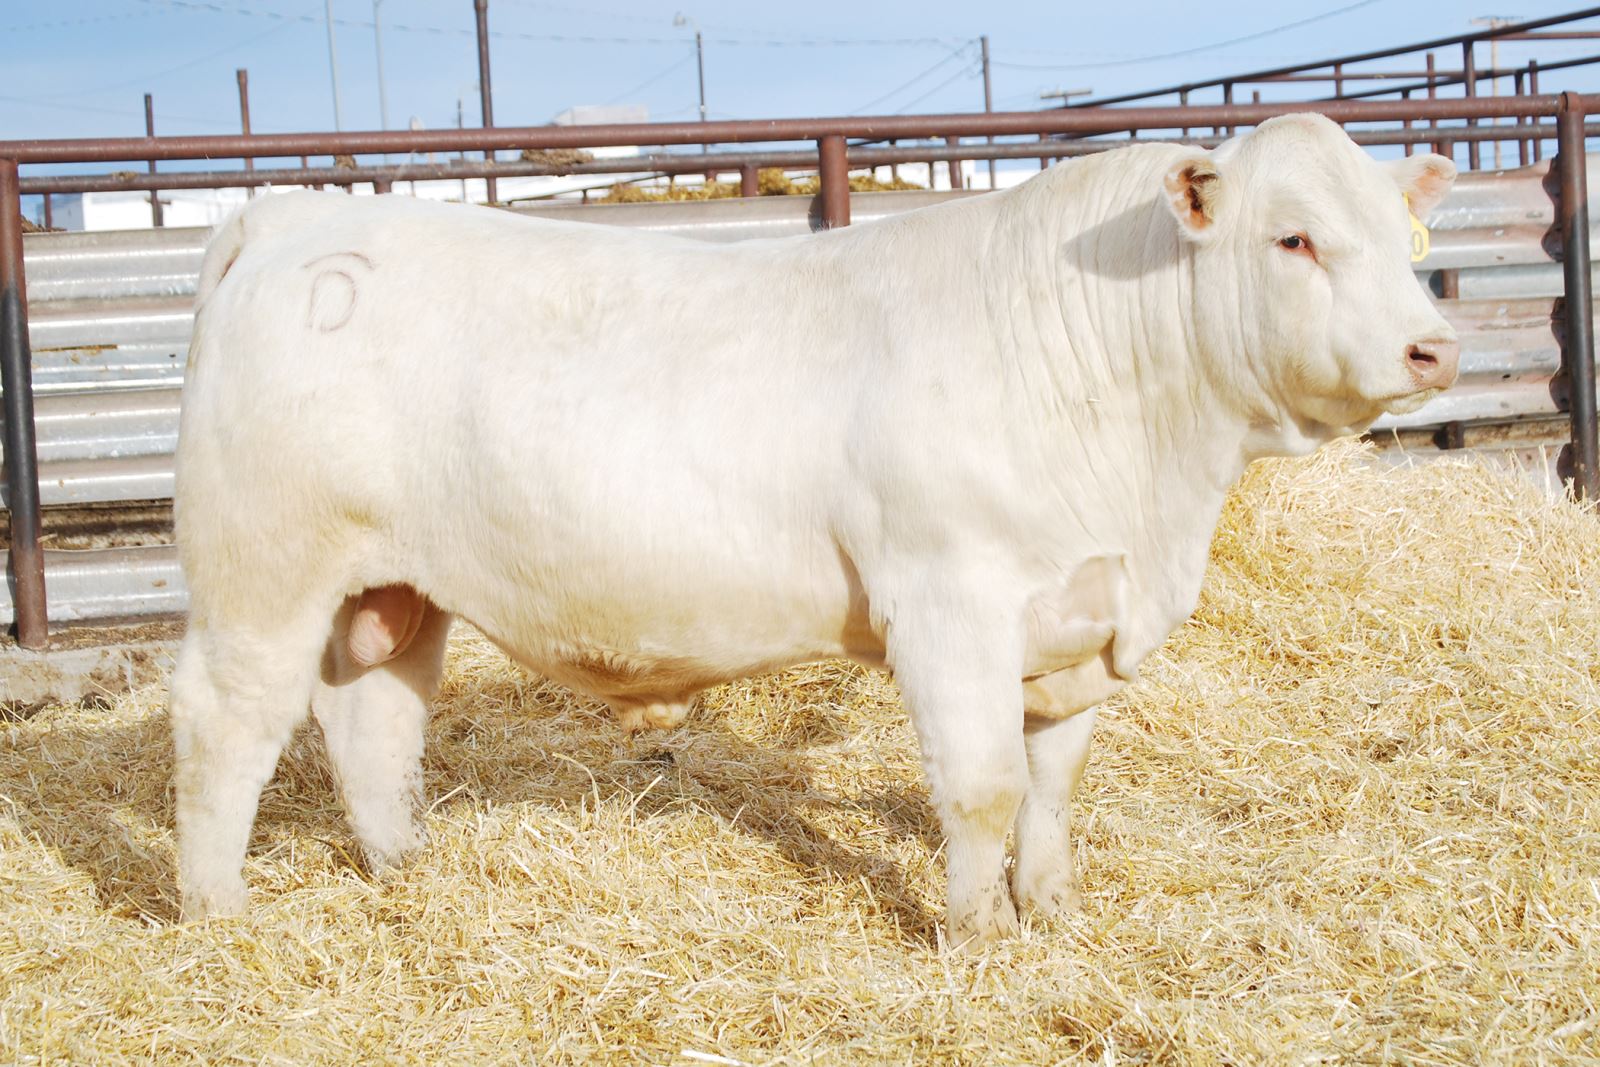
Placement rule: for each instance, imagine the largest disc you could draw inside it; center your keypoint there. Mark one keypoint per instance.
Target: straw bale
(1349, 815)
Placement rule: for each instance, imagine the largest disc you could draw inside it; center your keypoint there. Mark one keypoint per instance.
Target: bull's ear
(1424, 180)
(1193, 190)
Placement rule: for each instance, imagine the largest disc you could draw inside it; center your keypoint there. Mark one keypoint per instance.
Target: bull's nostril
(1433, 363)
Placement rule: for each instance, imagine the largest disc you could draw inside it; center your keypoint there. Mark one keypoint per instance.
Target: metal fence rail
(103, 321)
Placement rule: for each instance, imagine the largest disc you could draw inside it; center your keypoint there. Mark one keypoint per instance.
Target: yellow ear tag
(1419, 235)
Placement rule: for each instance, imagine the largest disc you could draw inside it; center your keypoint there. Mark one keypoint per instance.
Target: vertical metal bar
(49, 219)
(1227, 99)
(1522, 142)
(485, 89)
(243, 77)
(988, 99)
(1405, 94)
(381, 186)
(954, 165)
(749, 180)
(835, 177)
(1433, 92)
(1538, 120)
(1338, 81)
(1183, 101)
(1578, 352)
(26, 562)
(1469, 85)
(150, 131)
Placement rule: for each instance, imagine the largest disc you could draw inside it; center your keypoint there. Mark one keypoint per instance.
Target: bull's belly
(643, 640)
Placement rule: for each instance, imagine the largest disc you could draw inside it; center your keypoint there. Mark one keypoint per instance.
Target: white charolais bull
(984, 445)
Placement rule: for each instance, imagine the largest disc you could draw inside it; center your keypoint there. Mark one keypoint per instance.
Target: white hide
(980, 444)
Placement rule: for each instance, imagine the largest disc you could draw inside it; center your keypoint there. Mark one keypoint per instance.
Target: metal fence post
(485, 89)
(1538, 121)
(243, 77)
(1469, 87)
(834, 172)
(22, 458)
(1578, 352)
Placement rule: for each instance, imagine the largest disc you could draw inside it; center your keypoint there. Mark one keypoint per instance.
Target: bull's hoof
(975, 929)
(381, 862)
(1047, 896)
(636, 717)
(197, 905)
(1049, 904)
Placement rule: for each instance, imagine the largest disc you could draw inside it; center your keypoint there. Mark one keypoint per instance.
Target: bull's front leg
(958, 663)
(1045, 880)
(1061, 711)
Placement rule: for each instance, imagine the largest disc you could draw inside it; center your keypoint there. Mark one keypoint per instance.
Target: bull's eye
(1299, 244)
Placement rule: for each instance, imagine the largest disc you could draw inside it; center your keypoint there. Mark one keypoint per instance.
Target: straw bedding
(1351, 814)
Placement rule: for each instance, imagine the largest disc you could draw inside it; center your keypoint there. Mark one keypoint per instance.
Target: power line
(118, 111)
(567, 38)
(85, 21)
(964, 72)
(1190, 51)
(154, 75)
(897, 90)
(652, 79)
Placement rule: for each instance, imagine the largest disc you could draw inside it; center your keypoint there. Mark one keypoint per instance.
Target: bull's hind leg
(373, 714)
(237, 696)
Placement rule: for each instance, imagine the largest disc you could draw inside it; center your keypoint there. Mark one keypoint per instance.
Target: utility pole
(333, 67)
(680, 19)
(1064, 95)
(150, 131)
(700, 63)
(377, 40)
(485, 89)
(988, 99)
(1494, 22)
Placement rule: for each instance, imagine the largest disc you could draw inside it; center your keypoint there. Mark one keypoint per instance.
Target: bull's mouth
(1406, 403)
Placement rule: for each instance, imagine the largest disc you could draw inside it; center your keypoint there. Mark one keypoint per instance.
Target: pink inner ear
(1186, 187)
(1431, 185)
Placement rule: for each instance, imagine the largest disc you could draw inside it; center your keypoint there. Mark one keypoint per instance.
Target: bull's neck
(1105, 359)
(1107, 356)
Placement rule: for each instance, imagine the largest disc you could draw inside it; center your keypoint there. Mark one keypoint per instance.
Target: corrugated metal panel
(108, 583)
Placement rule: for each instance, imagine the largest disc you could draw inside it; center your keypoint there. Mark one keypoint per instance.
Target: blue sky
(80, 67)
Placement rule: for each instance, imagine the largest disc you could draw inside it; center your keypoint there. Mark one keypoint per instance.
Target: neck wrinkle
(1113, 340)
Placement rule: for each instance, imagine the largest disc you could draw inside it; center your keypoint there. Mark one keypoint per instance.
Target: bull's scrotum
(984, 445)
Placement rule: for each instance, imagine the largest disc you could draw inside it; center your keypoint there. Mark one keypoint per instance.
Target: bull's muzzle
(1434, 363)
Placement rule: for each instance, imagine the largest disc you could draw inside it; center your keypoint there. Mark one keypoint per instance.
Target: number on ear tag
(1419, 236)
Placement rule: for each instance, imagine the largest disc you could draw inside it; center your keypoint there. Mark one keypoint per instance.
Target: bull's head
(1304, 297)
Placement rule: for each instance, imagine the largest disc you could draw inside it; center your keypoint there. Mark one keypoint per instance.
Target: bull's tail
(227, 241)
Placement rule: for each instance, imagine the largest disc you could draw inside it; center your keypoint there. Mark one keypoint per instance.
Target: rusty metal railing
(833, 154)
